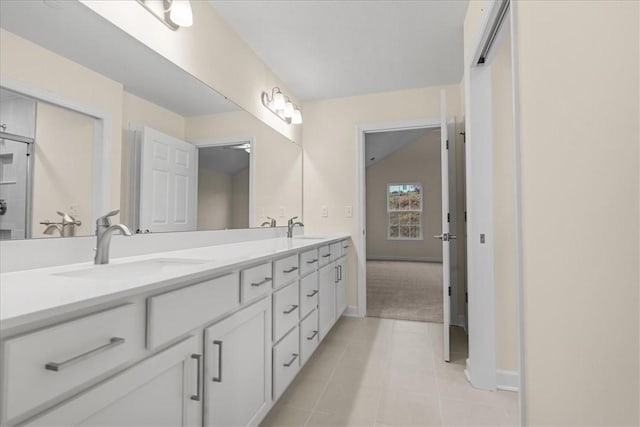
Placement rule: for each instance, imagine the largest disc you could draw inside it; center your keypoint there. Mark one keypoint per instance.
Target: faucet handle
(104, 219)
(291, 220)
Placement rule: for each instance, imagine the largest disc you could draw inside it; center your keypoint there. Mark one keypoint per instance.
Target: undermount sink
(307, 238)
(136, 268)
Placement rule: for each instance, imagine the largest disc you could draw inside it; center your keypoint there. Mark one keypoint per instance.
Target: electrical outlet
(283, 212)
(74, 209)
(324, 211)
(348, 211)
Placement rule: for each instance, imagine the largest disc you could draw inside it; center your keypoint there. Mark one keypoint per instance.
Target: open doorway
(404, 206)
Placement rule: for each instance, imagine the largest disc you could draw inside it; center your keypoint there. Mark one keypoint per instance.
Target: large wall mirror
(92, 120)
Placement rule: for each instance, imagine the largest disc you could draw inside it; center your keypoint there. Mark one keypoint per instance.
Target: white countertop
(32, 295)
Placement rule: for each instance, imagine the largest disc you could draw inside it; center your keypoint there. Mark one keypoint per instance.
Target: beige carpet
(405, 290)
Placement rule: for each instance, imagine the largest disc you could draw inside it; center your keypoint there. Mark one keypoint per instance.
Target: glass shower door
(14, 189)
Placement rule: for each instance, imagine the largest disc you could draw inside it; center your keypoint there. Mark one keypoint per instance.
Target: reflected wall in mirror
(75, 56)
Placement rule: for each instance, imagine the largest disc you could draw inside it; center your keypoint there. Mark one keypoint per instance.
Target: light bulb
(278, 101)
(180, 13)
(297, 117)
(288, 109)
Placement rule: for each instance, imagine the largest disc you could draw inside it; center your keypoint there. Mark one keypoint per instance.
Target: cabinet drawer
(286, 362)
(42, 365)
(335, 249)
(177, 312)
(325, 255)
(308, 336)
(308, 261)
(286, 310)
(285, 270)
(308, 293)
(256, 281)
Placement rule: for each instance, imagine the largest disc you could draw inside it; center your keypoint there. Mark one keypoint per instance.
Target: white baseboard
(507, 380)
(351, 311)
(403, 258)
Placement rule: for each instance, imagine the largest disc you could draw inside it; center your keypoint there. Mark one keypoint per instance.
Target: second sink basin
(127, 270)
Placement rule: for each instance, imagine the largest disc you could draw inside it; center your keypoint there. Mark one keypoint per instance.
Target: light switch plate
(261, 213)
(283, 212)
(348, 211)
(324, 211)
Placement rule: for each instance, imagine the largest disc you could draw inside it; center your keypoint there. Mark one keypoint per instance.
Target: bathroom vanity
(206, 336)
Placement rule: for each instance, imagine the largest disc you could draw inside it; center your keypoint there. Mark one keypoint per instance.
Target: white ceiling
(77, 33)
(325, 49)
(225, 159)
(379, 145)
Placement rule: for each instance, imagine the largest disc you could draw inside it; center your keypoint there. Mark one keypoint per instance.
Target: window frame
(420, 211)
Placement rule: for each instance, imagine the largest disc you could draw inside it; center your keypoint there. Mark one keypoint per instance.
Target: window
(404, 211)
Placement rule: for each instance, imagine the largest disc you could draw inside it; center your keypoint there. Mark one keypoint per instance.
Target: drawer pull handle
(293, 359)
(326, 255)
(346, 246)
(311, 261)
(266, 280)
(57, 366)
(312, 294)
(198, 358)
(291, 270)
(291, 310)
(312, 335)
(218, 379)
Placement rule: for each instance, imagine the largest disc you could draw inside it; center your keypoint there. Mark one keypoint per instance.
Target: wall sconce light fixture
(172, 13)
(282, 107)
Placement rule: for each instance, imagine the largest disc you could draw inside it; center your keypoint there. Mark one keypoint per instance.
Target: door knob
(445, 237)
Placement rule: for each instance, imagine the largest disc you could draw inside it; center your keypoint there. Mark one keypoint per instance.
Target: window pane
(404, 231)
(415, 219)
(394, 218)
(414, 232)
(393, 231)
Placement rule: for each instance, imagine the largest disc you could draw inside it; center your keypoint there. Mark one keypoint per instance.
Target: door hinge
(465, 216)
(449, 290)
(447, 144)
(448, 217)
(466, 297)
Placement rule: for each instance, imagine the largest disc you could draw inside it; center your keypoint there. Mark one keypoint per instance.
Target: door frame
(477, 82)
(360, 241)
(234, 140)
(101, 140)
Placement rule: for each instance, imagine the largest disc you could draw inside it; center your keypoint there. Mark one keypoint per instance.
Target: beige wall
(23, 61)
(214, 200)
(416, 162)
(504, 208)
(138, 111)
(240, 199)
(210, 50)
(60, 181)
(330, 152)
(579, 138)
(278, 161)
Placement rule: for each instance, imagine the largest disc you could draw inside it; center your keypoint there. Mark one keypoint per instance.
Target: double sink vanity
(205, 336)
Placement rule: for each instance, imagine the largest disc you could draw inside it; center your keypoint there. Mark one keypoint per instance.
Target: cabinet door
(163, 390)
(327, 278)
(238, 367)
(342, 286)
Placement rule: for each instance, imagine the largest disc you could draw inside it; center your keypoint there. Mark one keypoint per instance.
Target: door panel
(446, 258)
(327, 301)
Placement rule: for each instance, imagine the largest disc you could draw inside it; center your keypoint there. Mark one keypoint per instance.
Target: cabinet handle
(340, 272)
(198, 358)
(293, 359)
(291, 310)
(266, 280)
(218, 379)
(315, 291)
(326, 255)
(311, 261)
(346, 246)
(57, 366)
(337, 277)
(291, 270)
(312, 335)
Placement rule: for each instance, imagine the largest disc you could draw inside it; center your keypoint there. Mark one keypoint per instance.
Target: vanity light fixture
(282, 106)
(172, 13)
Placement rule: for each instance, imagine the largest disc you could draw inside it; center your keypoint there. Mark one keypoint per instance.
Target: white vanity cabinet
(211, 350)
(162, 390)
(237, 379)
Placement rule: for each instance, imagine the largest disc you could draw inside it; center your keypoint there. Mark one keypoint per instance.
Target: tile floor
(382, 372)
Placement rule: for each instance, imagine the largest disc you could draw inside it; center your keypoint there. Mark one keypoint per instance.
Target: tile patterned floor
(382, 372)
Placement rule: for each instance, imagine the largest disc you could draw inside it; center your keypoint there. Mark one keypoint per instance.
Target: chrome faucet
(270, 223)
(65, 228)
(104, 231)
(291, 224)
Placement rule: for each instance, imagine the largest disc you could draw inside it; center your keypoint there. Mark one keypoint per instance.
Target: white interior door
(168, 183)
(445, 236)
